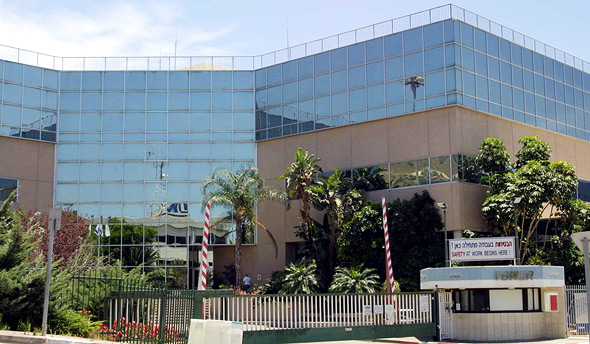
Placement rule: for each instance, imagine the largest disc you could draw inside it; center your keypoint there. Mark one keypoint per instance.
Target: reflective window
(412, 40)
(356, 54)
(202, 80)
(434, 59)
(135, 80)
(393, 45)
(179, 81)
(32, 76)
(413, 64)
(394, 68)
(374, 74)
(338, 58)
(440, 169)
(375, 50)
(223, 80)
(289, 71)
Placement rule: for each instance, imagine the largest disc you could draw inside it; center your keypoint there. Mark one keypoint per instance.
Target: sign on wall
(502, 248)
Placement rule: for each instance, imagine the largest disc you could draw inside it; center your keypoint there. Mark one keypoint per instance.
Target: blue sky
(230, 28)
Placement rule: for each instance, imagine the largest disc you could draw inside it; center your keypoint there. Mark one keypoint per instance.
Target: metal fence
(290, 53)
(289, 312)
(577, 311)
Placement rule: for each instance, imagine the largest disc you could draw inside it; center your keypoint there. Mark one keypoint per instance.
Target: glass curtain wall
(427, 67)
(28, 101)
(134, 148)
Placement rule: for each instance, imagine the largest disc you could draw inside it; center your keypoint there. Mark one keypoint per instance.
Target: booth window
(497, 300)
(7, 186)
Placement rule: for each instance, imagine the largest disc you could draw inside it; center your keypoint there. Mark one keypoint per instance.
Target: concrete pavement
(14, 337)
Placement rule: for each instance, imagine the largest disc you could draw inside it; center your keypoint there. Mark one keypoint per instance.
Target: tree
(355, 279)
(69, 241)
(327, 194)
(532, 186)
(22, 272)
(300, 278)
(241, 192)
(300, 176)
(414, 231)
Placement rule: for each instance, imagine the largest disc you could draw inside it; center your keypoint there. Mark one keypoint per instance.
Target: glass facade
(133, 146)
(28, 101)
(440, 64)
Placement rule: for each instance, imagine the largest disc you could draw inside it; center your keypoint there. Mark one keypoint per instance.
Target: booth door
(445, 315)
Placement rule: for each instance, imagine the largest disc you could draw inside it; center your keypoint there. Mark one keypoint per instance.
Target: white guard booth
(499, 303)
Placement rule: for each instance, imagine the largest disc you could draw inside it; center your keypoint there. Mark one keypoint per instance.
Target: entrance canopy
(503, 276)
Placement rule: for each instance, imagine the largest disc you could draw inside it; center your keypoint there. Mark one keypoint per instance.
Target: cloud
(108, 29)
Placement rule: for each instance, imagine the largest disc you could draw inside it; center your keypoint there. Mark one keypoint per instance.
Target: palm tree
(328, 194)
(300, 278)
(241, 192)
(299, 177)
(355, 279)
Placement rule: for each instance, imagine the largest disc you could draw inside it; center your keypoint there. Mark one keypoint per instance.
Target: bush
(73, 323)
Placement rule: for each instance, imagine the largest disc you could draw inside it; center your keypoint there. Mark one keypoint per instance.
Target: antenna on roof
(287, 22)
(175, 44)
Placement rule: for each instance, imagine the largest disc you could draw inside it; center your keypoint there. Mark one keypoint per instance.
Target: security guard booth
(493, 303)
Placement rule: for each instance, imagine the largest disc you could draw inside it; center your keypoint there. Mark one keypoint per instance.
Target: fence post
(163, 306)
(200, 295)
(435, 315)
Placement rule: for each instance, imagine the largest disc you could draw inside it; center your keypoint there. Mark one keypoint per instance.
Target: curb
(26, 338)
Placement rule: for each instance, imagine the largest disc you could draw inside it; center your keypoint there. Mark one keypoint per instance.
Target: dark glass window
(356, 77)
(412, 40)
(583, 190)
(338, 59)
(467, 35)
(433, 35)
(413, 64)
(480, 41)
(322, 63)
(305, 67)
(374, 73)
(273, 75)
(375, 50)
(7, 186)
(290, 71)
(434, 59)
(339, 81)
(393, 45)
(356, 54)
(394, 68)
(497, 300)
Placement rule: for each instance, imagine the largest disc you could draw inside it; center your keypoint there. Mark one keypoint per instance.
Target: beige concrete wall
(453, 130)
(31, 162)
(512, 326)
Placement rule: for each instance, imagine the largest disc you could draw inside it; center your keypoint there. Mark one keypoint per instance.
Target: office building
(129, 140)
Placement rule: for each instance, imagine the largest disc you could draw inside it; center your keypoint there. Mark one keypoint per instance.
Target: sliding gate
(323, 317)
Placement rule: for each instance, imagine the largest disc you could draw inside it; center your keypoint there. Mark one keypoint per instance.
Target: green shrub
(73, 323)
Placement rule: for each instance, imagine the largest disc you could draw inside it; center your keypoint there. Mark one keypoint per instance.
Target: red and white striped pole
(388, 264)
(204, 262)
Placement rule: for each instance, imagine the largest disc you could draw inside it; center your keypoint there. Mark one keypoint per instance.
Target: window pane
(404, 174)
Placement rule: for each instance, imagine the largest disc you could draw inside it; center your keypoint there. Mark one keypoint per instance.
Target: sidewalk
(414, 340)
(30, 338)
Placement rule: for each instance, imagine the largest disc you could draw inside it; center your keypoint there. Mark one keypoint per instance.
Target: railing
(286, 312)
(577, 311)
(306, 49)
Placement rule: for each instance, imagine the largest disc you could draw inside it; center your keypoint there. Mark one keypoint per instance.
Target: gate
(577, 311)
(445, 315)
(323, 317)
(137, 312)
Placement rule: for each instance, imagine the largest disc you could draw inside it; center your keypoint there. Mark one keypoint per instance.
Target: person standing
(247, 283)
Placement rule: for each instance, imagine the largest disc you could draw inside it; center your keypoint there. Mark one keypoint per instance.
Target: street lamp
(443, 206)
(515, 204)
